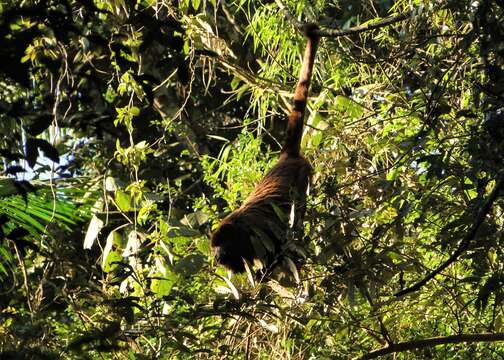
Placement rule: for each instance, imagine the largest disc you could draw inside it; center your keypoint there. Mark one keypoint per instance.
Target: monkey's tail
(296, 117)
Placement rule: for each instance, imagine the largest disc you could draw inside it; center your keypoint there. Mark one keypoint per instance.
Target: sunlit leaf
(94, 228)
(123, 201)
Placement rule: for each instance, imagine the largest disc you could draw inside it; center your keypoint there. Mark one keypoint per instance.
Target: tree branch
(351, 31)
(288, 15)
(480, 217)
(431, 342)
(362, 28)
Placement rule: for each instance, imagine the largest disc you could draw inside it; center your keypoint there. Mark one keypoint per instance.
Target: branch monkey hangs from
(257, 229)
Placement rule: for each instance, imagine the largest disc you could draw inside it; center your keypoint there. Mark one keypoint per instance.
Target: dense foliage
(129, 128)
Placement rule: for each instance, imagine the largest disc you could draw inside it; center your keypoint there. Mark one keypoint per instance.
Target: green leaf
(163, 280)
(195, 219)
(195, 4)
(350, 107)
(190, 265)
(220, 138)
(110, 262)
(123, 201)
(109, 256)
(317, 139)
(135, 111)
(3, 271)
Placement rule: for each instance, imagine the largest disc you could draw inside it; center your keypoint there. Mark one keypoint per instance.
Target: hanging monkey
(258, 228)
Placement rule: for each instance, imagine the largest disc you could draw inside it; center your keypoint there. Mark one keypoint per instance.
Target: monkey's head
(231, 244)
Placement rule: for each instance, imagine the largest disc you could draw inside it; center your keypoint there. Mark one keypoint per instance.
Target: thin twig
(431, 342)
(480, 217)
(362, 28)
(292, 19)
(25, 279)
(351, 31)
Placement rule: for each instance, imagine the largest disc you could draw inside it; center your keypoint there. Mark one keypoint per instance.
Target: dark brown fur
(258, 228)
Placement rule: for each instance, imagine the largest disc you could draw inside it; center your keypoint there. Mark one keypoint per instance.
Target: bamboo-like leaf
(94, 228)
(231, 287)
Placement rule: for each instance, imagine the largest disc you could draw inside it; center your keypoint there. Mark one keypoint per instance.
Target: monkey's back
(287, 179)
(283, 185)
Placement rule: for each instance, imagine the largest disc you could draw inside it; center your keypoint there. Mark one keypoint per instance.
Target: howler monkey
(258, 228)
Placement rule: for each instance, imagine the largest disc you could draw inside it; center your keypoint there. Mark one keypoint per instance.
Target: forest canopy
(129, 129)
